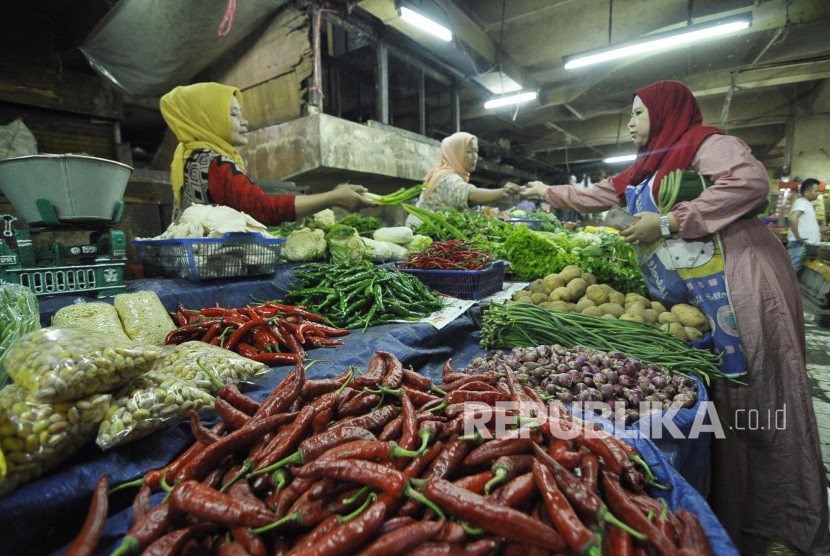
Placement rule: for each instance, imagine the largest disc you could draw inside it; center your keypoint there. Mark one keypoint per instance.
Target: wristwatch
(665, 231)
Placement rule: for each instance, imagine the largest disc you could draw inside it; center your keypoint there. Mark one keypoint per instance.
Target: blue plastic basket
(232, 255)
(463, 284)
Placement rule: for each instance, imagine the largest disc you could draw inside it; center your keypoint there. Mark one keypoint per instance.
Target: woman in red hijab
(768, 485)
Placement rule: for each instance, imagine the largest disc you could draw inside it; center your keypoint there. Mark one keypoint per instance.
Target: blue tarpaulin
(44, 515)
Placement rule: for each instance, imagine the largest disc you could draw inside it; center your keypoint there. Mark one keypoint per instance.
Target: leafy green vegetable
(534, 254)
(365, 225)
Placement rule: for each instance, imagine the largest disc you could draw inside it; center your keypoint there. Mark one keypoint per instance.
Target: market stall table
(49, 511)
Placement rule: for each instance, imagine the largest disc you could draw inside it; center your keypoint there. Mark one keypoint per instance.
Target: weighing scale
(57, 268)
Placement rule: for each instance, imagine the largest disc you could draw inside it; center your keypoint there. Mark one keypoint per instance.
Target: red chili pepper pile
(455, 254)
(380, 463)
(272, 333)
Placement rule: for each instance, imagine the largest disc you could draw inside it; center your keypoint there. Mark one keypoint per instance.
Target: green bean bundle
(526, 325)
(350, 296)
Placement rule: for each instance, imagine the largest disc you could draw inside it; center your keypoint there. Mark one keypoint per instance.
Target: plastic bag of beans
(147, 404)
(143, 317)
(95, 315)
(62, 364)
(35, 437)
(19, 314)
(189, 360)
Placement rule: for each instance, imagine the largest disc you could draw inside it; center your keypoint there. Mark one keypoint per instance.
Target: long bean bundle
(526, 325)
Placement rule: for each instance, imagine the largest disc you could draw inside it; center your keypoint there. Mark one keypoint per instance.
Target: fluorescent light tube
(665, 42)
(512, 99)
(619, 159)
(425, 24)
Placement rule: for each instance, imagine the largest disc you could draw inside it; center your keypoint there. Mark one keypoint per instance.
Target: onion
(565, 397)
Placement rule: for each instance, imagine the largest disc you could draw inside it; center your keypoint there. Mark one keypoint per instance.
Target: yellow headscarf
(200, 117)
(453, 150)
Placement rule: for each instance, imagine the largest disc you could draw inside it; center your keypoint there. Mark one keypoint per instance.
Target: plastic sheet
(50, 511)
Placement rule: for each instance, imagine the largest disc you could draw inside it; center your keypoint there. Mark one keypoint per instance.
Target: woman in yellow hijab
(207, 169)
(447, 185)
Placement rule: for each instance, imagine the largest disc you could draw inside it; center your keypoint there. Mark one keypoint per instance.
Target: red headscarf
(675, 134)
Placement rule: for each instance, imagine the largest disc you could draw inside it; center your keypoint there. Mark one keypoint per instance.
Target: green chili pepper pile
(384, 462)
(350, 296)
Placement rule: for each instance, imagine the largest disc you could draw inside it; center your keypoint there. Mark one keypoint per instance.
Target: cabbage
(418, 243)
(345, 245)
(304, 244)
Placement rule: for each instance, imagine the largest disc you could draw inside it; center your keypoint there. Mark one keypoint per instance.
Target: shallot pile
(580, 374)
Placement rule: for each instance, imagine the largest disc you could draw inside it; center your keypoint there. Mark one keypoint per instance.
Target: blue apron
(679, 271)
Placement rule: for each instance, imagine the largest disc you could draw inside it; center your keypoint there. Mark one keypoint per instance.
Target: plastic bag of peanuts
(62, 364)
(35, 437)
(147, 404)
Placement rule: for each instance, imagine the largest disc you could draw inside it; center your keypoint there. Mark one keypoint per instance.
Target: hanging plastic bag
(19, 314)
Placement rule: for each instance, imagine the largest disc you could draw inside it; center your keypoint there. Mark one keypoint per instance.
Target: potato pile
(572, 290)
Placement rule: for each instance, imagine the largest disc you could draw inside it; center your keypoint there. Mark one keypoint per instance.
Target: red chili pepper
(418, 398)
(375, 371)
(233, 417)
(321, 530)
(625, 509)
(281, 398)
(452, 532)
(506, 468)
(516, 441)
(392, 429)
(350, 536)
(321, 421)
(146, 530)
(274, 359)
(692, 535)
(500, 520)
(449, 459)
(142, 503)
(518, 493)
(409, 433)
(359, 471)
(578, 537)
(618, 542)
(200, 432)
(416, 380)
(174, 541)
(489, 377)
(297, 310)
(477, 386)
(320, 386)
(205, 460)
(373, 421)
(463, 396)
(589, 471)
(358, 404)
(475, 483)
(286, 440)
(394, 373)
(291, 343)
(284, 498)
(251, 542)
(403, 539)
(208, 503)
(90, 535)
(561, 451)
(449, 376)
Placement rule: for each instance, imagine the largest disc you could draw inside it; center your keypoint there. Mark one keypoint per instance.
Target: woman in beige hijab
(447, 183)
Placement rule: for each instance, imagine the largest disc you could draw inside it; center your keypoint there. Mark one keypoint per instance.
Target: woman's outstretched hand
(511, 188)
(534, 189)
(350, 196)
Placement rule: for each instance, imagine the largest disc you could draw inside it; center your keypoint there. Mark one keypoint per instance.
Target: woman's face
(239, 125)
(638, 125)
(471, 156)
